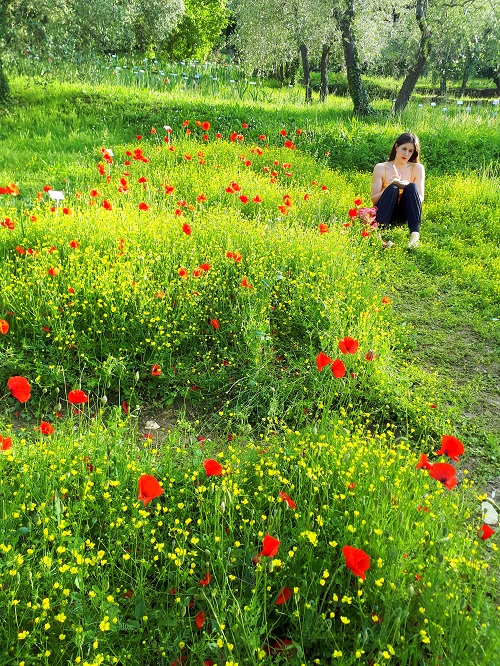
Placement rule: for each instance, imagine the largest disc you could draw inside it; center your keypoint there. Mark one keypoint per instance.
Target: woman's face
(404, 152)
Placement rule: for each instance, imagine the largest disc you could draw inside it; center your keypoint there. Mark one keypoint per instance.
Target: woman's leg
(410, 207)
(386, 205)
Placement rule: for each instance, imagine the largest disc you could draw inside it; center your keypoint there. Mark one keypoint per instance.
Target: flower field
(311, 506)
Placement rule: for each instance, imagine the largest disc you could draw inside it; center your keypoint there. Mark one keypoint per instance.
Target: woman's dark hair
(406, 137)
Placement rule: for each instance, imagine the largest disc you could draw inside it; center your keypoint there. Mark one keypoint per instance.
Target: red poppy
(212, 467)
(183, 273)
(45, 428)
(370, 355)
(149, 489)
(125, 407)
(205, 581)
(365, 233)
(107, 204)
(200, 619)
(322, 360)
(257, 199)
(237, 257)
(283, 132)
(283, 596)
(299, 131)
(19, 388)
(215, 323)
(155, 370)
(270, 546)
(5, 443)
(244, 199)
(74, 244)
(286, 498)
(423, 462)
(323, 228)
(451, 447)
(487, 531)
(338, 369)
(143, 206)
(201, 198)
(186, 229)
(4, 326)
(205, 126)
(244, 283)
(356, 560)
(77, 397)
(357, 202)
(54, 271)
(445, 473)
(348, 345)
(205, 267)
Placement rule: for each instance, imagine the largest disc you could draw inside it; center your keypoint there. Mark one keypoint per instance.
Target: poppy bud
(104, 399)
(58, 407)
(411, 590)
(57, 389)
(222, 506)
(137, 376)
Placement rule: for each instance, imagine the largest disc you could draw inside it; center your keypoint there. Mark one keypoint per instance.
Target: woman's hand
(399, 183)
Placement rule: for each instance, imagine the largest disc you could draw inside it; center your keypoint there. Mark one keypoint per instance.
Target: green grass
(238, 366)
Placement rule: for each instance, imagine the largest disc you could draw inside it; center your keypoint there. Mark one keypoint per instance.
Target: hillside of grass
(234, 429)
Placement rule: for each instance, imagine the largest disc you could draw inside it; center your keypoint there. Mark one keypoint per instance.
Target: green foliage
(203, 22)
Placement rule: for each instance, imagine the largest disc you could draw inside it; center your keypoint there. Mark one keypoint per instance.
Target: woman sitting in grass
(398, 187)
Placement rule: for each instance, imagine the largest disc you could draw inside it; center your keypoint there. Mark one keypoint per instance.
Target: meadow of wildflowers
(315, 510)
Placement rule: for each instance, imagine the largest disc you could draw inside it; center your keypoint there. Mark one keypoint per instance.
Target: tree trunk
(307, 73)
(4, 84)
(357, 90)
(325, 55)
(4, 87)
(423, 51)
(496, 79)
(466, 73)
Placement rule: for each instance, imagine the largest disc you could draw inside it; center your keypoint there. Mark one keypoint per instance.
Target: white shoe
(414, 239)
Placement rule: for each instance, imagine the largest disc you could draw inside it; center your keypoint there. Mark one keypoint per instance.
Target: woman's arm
(419, 173)
(377, 183)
